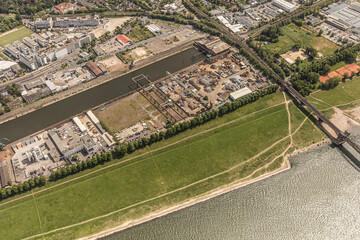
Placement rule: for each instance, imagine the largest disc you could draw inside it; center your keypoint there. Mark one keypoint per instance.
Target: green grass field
(15, 35)
(345, 93)
(293, 34)
(187, 165)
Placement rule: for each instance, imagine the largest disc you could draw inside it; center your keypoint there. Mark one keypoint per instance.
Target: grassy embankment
(15, 35)
(345, 97)
(168, 172)
(294, 34)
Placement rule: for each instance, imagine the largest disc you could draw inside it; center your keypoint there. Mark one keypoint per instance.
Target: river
(54, 113)
(318, 198)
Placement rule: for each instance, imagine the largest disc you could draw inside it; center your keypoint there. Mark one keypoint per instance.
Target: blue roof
(337, 8)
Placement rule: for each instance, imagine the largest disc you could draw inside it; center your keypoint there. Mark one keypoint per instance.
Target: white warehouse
(240, 93)
(284, 5)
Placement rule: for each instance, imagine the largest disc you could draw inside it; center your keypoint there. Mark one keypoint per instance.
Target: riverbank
(191, 202)
(94, 83)
(222, 190)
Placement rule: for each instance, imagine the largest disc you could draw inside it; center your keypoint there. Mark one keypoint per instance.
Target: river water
(54, 113)
(318, 198)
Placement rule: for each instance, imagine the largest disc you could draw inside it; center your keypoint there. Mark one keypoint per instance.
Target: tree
(3, 193)
(31, 183)
(346, 75)
(37, 181)
(75, 157)
(26, 186)
(320, 32)
(42, 180)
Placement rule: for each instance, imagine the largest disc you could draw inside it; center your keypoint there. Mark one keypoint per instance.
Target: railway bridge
(338, 137)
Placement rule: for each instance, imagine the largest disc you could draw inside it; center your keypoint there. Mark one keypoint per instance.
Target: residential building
(22, 47)
(40, 40)
(12, 51)
(64, 7)
(28, 61)
(31, 43)
(42, 24)
(41, 59)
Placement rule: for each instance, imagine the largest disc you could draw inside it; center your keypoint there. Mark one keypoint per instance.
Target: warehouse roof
(5, 65)
(94, 69)
(240, 93)
(123, 38)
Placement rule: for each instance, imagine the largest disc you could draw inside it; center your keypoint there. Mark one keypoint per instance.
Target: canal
(49, 115)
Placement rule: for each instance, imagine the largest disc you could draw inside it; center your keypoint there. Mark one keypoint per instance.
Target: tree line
(22, 187)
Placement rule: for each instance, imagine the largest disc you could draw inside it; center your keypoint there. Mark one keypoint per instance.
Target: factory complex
(47, 151)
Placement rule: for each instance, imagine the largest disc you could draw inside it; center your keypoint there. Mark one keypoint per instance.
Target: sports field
(294, 34)
(14, 35)
(239, 146)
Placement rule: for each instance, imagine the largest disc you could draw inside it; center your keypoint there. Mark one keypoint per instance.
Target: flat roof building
(284, 5)
(12, 51)
(240, 93)
(79, 124)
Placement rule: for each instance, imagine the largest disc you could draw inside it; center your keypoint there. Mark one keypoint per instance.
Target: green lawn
(205, 158)
(342, 94)
(293, 34)
(15, 35)
(139, 33)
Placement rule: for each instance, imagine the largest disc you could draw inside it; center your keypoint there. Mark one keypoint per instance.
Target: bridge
(340, 136)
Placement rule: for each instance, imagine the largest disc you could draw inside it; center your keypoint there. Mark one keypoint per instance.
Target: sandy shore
(206, 196)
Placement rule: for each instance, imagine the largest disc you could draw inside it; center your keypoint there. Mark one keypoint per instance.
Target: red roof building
(94, 69)
(323, 79)
(353, 67)
(63, 7)
(123, 39)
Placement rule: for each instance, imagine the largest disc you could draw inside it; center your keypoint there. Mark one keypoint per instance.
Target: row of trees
(22, 187)
(80, 166)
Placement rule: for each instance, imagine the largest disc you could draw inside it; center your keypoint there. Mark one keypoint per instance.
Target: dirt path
(143, 154)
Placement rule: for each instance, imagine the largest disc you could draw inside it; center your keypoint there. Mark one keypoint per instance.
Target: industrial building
(344, 16)
(89, 21)
(212, 46)
(233, 27)
(153, 28)
(95, 69)
(284, 5)
(124, 40)
(4, 174)
(243, 92)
